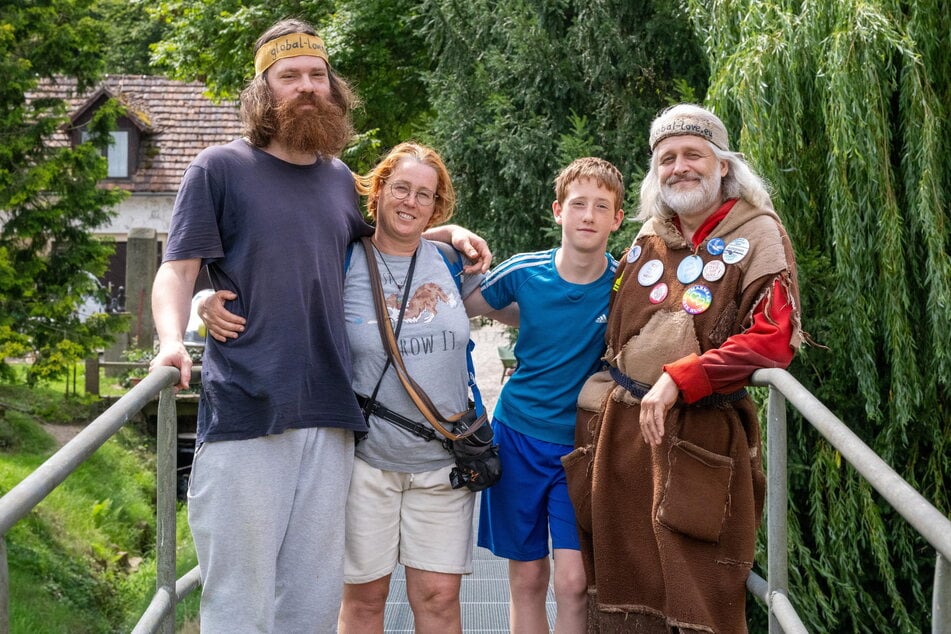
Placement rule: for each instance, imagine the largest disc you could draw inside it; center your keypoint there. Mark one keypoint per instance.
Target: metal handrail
(25, 496)
(159, 616)
(917, 511)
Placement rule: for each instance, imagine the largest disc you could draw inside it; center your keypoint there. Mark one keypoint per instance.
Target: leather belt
(639, 389)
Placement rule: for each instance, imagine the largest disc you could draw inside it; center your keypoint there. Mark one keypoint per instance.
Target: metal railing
(95, 363)
(25, 496)
(159, 616)
(917, 511)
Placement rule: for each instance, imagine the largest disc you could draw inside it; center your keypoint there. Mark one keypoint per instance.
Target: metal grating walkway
(485, 593)
(484, 597)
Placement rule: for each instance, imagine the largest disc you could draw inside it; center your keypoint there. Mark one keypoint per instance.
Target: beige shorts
(415, 519)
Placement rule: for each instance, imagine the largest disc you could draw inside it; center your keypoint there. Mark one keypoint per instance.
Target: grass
(84, 559)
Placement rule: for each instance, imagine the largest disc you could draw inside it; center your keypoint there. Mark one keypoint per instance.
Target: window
(117, 153)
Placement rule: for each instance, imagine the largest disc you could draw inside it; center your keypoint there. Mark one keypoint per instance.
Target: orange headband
(290, 45)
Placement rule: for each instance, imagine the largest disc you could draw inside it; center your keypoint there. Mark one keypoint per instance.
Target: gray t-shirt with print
(432, 340)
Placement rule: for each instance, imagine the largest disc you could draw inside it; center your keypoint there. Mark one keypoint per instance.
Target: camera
(477, 457)
(458, 478)
(478, 440)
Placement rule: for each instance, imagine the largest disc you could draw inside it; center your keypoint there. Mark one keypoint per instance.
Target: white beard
(695, 201)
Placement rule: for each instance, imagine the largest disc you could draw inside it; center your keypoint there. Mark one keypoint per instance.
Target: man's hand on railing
(177, 356)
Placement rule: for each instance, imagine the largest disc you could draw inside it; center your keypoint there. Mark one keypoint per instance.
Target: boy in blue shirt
(562, 297)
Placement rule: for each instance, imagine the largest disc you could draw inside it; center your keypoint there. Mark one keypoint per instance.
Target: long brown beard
(325, 131)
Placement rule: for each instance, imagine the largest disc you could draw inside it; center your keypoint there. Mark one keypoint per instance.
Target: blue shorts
(530, 500)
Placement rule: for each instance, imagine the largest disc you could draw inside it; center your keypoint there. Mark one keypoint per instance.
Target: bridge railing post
(166, 495)
(941, 602)
(4, 588)
(776, 501)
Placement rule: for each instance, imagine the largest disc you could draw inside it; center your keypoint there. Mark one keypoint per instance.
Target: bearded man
(666, 476)
(270, 216)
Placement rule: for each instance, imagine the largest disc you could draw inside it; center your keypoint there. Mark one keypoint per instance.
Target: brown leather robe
(667, 532)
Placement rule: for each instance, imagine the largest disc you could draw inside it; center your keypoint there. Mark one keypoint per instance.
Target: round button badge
(697, 299)
(658, 293)
(715, 246)
(650, 272)
(633, 254)
(689, 269)
(736, 250)
(714, 270)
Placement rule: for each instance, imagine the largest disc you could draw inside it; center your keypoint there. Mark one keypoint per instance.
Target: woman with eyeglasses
(401, 506)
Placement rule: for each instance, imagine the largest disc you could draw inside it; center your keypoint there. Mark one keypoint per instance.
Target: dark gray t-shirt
(276, 234)
(432, 340)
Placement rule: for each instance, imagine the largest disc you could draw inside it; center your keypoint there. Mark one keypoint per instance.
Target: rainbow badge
(697, 299)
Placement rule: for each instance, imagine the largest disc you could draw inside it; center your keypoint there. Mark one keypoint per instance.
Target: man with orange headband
(270, 216)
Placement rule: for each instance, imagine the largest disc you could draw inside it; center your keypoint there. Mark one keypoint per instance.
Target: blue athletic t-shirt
(276, 234)
(560, 341)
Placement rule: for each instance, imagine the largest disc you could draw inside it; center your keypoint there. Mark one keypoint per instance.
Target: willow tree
(843, 106)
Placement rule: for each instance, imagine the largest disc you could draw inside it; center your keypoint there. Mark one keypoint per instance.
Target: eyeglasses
(424, 197)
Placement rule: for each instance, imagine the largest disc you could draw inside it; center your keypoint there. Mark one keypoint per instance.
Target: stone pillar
(140, 267)
(115, 352)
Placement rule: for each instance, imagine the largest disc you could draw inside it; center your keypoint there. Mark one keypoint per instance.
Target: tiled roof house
(167, 123)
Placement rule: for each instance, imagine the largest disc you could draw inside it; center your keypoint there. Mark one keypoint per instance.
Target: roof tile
(183, 122)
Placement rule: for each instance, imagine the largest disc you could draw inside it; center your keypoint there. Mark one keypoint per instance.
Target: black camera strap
(419, 397)
(378, 409)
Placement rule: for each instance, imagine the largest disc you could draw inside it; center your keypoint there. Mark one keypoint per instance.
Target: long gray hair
(739, 182)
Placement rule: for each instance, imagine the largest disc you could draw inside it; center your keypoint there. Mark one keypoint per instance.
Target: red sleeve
(728, 368)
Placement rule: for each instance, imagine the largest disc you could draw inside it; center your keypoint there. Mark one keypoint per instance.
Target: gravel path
(485, 358)
(62, 434)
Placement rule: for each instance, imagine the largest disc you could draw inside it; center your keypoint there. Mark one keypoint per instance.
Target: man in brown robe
(667, 476)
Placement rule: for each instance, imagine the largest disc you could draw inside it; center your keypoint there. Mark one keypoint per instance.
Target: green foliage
(19, 433)
(521, 88)
(24, 408)
(377, 46)
(843, 107)
(84, 559)
(128, 32)
(49, 195)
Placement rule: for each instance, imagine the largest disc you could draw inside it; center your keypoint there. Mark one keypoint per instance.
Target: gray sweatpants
(267, 516)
